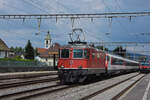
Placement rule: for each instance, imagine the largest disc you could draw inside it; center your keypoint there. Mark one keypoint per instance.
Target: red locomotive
(145, 67)
(79, 61)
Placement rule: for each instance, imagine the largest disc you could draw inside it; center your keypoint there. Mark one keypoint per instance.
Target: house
(49, 54)
(4, 50)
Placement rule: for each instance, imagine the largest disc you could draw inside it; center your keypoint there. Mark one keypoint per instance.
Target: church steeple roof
(48, 36)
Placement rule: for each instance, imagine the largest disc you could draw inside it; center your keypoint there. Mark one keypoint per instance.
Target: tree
(102, 47)
(36, 52)
(120, 51)
(142, 58)
(12, 48)
(29, 51)
(17, 50)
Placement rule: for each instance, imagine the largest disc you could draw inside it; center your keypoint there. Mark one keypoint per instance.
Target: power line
(13, 7)
(118, 5)
(117, 20)
(120, 43)
(35, 5)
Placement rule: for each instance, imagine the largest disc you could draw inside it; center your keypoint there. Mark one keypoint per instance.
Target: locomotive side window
(93, 54)
(65, 53)
(78, 53)
(98, 55)
(86, 55)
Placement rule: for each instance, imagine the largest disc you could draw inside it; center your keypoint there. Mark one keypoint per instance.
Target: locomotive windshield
(78, 53)
(64, 53)
(145, 64)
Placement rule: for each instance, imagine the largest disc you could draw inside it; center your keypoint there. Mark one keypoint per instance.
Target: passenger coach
(117, 64)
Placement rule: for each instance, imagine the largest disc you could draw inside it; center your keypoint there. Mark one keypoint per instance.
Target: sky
(17, 33)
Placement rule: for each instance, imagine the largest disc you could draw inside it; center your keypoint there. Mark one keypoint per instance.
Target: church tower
(48, 40)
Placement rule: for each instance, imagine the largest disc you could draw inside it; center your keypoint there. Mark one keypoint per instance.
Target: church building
(49, 54)
(48, 41)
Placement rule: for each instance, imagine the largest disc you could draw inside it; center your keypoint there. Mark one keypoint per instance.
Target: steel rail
(47, 89)
(23, 83)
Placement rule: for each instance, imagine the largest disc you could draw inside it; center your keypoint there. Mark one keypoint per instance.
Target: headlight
(62, 66)
(80, 67)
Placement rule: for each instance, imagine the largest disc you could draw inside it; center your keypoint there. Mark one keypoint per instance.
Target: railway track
(35, 92)
(26, 75)
(116, 97)
(56, 88)
(28, 82)
(32, 92)
(85, 90)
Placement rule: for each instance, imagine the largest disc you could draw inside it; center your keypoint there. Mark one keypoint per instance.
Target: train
(145, 67)
(79, 61)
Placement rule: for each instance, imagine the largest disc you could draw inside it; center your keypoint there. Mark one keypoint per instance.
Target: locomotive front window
(65, 53)
(145, 64)
(78, 53)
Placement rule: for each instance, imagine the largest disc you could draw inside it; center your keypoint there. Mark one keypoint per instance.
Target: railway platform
(141, 91)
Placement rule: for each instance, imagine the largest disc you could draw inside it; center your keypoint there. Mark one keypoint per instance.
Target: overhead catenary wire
(35, 5)
(110, 20)
(118, 5)
(14, 7)
(68, 14)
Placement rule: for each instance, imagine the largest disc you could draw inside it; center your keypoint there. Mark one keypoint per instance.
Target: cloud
(140, 49)
(2, 2)
(16, 33)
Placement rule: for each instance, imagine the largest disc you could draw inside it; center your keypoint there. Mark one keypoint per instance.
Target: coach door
(109, 62)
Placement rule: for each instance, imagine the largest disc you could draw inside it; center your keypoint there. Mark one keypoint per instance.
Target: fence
(21, 64)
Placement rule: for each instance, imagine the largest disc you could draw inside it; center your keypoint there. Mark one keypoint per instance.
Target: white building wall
(2, 54)
(48, 61)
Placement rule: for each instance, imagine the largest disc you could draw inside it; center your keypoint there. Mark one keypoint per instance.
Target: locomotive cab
(73, 63)
(144, 67)
(74, 58)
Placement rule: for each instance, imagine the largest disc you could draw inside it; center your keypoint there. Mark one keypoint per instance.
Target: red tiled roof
(48, 53)
(42, 50)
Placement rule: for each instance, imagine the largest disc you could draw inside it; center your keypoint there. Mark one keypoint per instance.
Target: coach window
(117, 61)
(78, 53)
(65, 53)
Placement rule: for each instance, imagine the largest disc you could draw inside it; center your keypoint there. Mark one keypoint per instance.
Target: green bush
(16, 59)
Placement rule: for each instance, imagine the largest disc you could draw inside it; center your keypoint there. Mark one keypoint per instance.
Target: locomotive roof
(81, 46)
(121, 58)
(76, 46)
